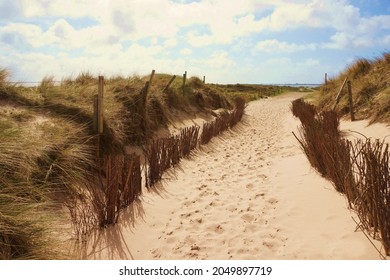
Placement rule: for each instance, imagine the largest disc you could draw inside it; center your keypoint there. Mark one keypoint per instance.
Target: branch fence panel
(358, 169)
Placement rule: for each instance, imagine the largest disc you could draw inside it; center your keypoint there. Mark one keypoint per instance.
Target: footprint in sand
(252, 228)
(232, 208)
(248, 218)
(189, 239)
(156, 253)
(189, 202)
(259, 195)
(204, 193)
(216, 229)
(186, 215)
(195, 247)
(272, 200)
(171, 240)
(272, 244)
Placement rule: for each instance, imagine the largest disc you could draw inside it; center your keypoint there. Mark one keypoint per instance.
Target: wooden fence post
(184, 80)
(204, 79)
(169, 83)
(100, 104)
(339, 94)
(350, 101)
(143, 100)
(326, 78)
(95, 113)
(150, 82)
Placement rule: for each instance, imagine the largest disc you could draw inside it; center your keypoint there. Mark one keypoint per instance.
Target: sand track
(249, 194)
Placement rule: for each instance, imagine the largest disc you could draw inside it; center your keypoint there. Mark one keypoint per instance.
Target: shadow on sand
(109, 243)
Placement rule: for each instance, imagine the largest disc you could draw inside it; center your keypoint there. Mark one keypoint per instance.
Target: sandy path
(249, 194)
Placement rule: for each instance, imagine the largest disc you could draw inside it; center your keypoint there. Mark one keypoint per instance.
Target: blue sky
(228, 41)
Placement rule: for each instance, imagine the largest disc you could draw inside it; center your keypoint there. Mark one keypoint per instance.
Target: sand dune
(249, 194)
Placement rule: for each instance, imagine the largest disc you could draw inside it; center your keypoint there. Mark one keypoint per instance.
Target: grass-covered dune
(370, 83)
(48, 147)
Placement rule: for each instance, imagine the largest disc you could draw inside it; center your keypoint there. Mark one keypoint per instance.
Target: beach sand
(249, 194)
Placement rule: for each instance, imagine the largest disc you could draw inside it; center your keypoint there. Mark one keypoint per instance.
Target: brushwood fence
(119, 176)
(120, 183)
(223, 122)
(165, 153)
(359, 169)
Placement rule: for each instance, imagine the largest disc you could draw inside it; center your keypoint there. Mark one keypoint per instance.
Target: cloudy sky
(228, 41)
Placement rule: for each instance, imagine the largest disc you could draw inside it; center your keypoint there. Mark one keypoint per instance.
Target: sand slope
(249, 194)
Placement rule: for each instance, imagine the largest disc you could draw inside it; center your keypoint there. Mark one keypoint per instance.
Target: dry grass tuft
(370, 80)
(26, 226)
(4, 75)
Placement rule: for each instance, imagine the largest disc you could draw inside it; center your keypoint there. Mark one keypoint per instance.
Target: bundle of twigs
(120, 185)
(360, 170)
(372, 202)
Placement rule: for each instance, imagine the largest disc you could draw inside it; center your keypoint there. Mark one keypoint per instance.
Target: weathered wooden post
(350, 101)
(169, 83)
(204, 79)
(95, 113)
(100, 104)
(143, 100)
(339, 94)
(184, 80)
(326, 78)
(150, 82)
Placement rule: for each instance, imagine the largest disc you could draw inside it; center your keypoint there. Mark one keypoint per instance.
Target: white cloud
(281, 61)
(29, 33)
(344, 40)
(146, 34)
(65, 8)
(386, 40)
(310, 62)
(288, 16)
(9, 9)
(185, 51)
(273, 45)
(219, 59)
(225, 21)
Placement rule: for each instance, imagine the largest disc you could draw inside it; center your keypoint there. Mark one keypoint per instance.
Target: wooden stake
(326, 78)
(184, 80)
(170, 82)
(339, 94)
(150, 82)
(96, 123)
(95, 113)
(100, 104)
(350, 101)
(204, 79)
